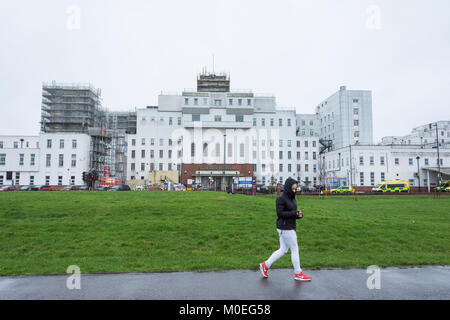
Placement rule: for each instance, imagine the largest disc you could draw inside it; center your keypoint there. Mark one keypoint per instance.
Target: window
(2, 159)
(152, 141)
(254, 122)
(61, 160)
(161, 154)
(410, 161)
(161, 142)
(152, 154)
(47, 180)
(49, 143)
(281, 143)
(382, 176)
(240, 102)
(281, 167)
(48, 160)
(217, 102)
(186, 101)
(382, 160)
(249, 102)
(306, 167)
(230, 102)
(356, 123)
(271, 122)
(372, 178)
(32, 159)
(306, 155)
(289, 122)
(263, 122)
(361, 178)
(217, 118)
(143, 141)
(142, 166)
(298, 155)
(355, 111)
(133, 142)
(356, 134)
(179, 121)
(361, 160)
(170, 121)
(73, 161)
(281, 155)
(298, 143)
(355, 100)
(133, 154)
(196, 101)
(306, 143)
(372, 160)
(169, 167)
(239, 118)
(59, 180)
(142, 153)
(315, 156)
(195, 117)
(280, 122)
(61, 143)
(1, 144)
(289, 155)
(21, 157)
(133, 167)
(192, 149)
(426, 161)
(16, 145)
(31, 180)
(160, 167)
(170, 154)
(289, 143)
(396, 161)
(74, 144)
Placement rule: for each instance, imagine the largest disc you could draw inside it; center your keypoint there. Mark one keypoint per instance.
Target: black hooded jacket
(287, 207)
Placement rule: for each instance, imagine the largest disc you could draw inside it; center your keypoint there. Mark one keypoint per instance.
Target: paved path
(396, 283)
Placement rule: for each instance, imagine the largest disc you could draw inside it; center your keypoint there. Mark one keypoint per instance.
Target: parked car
(83, 188)
(205, 188)
(102, 188)
(44, 188)
(342, 190)
(29, 188)
(8, 188)
(121, 187)
(70, 188)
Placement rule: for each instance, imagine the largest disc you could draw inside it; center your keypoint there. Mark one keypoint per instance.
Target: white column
(428, 180)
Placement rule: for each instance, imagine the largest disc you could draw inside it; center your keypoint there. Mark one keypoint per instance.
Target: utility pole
(418, 171)
(351, 168)
(438, 159)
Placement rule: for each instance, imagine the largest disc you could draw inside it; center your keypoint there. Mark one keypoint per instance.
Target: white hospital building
(213, 134)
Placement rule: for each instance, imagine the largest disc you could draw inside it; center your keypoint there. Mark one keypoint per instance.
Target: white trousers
(288, 240)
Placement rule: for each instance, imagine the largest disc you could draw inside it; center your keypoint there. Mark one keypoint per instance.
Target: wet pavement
(431, 282)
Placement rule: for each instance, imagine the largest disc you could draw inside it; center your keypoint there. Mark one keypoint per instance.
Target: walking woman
(286, 226)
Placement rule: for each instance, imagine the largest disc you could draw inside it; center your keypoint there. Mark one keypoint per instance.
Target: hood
(288, 187)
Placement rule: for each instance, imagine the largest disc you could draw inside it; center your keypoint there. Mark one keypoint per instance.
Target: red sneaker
(302, 277)
(264, 269)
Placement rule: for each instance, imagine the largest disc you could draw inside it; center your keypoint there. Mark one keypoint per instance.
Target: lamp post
(418, 171)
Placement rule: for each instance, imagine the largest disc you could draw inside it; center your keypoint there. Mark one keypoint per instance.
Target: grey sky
(301, 51)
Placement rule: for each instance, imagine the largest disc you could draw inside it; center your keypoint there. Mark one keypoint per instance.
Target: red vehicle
(8, 188)
(45, 188)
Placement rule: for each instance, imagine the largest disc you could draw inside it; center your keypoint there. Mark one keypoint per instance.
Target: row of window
(16, 144)
(48, 160)
(61, 143)
(31, 180)
(217, 102)
(21, 159)
(332, 164)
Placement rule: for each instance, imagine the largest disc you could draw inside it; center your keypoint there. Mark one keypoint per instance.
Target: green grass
(45, 232)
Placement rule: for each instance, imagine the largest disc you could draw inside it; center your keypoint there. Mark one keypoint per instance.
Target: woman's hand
(300, 214)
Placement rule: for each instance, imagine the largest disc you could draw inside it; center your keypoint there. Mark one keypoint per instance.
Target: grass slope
(45, 232)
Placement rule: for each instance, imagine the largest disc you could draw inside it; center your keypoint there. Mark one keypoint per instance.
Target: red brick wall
(190, 169)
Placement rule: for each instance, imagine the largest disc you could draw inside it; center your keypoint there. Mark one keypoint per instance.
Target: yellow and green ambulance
(392, 186)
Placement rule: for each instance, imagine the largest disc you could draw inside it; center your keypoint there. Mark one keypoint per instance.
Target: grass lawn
(45, 232)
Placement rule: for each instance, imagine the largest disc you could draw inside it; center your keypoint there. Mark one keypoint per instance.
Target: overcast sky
(300, 51)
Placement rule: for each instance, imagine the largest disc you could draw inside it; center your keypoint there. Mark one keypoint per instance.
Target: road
(430, 282)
